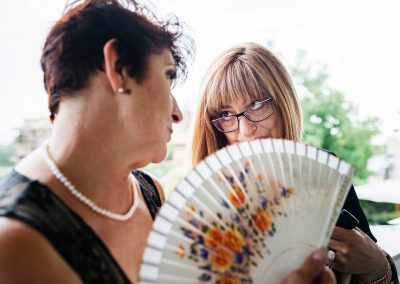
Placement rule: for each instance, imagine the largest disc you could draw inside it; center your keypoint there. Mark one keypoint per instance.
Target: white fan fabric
(249, 213)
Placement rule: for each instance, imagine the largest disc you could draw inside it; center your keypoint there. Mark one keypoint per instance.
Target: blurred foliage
(168, 173)
(4, 171)
(6, 163)
(331, 122)
(379, 212)
(6, 153)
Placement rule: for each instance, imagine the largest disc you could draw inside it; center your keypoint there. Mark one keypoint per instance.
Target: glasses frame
(243, 113)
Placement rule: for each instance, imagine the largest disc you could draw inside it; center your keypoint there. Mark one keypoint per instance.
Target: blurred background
(342, 55)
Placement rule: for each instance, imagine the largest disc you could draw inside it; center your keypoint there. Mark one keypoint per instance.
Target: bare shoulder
(159, 187)
(26, 256)
(33, 166)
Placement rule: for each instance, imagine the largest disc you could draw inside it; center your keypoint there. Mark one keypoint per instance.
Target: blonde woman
(248, 94)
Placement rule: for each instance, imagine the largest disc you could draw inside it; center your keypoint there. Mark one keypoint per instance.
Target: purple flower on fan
(225, 204)
(200, 239)
(195, 222)
(263, 202)
(286, 192)
(238, 258)
(187, 233)
(203, 253)
(241, 177)
(246, 250)
(235, 218)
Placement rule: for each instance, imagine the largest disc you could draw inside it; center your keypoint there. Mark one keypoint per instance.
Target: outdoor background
(343, 56)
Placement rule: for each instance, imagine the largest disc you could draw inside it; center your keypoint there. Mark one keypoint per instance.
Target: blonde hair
(243, 73)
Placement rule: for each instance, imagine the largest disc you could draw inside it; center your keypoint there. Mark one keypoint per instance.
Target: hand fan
(249, 213)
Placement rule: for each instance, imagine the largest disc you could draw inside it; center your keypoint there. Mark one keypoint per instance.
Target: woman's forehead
(235, 103)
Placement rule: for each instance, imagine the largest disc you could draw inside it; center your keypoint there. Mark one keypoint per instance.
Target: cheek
(276, 130)
(270, 127)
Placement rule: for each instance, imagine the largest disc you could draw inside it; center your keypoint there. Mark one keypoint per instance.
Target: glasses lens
(259, 111)
(226, 124)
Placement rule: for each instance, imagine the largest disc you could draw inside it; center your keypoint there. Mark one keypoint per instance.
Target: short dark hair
(73, 50)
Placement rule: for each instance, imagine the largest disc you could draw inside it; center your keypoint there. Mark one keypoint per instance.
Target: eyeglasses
(258, 111)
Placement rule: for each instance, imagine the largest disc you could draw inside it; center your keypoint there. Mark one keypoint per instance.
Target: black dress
(35, 204)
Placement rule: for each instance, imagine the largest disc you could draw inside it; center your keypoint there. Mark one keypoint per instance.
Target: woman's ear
(110, 61)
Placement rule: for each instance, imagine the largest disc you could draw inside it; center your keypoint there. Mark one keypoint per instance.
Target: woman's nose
(246, 127)
(176, 112)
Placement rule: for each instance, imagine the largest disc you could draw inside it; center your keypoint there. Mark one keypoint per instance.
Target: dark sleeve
(352, 204)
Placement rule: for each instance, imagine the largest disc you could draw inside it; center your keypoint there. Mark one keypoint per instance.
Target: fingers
(360, 231)
(341, 254)
(312, 269)
(345, 242)
(327, 276)
(339, 247)
(314, 265)
(340, 234)
(340, 262)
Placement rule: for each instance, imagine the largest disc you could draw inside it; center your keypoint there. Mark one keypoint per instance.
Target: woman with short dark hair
(77, 209)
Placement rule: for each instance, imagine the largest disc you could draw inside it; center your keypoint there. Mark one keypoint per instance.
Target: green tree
(331, 122)
(6, 153)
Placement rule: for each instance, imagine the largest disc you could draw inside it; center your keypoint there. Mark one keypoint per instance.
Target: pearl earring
(122, 90)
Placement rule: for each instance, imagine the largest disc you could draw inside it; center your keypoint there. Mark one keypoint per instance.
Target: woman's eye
(226, 115)
(255, 105)
(171, 74)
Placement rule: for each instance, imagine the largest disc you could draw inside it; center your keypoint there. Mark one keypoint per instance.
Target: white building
(31, 135)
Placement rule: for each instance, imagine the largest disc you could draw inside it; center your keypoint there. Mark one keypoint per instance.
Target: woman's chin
(160, 156)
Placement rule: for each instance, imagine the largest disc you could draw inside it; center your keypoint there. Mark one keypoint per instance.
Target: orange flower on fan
(236, 198)
(213, 237)
(191, 210)
(221, 260)
(234, 240)
(228, 279)
(262, 220)
(181, 251)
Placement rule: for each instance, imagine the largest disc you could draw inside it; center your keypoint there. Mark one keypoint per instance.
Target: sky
(357, 40)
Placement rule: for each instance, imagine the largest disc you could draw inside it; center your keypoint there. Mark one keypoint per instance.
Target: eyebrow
(246, 105)
(226, 107)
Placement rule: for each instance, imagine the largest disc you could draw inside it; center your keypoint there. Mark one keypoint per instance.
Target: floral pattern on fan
(231, 249)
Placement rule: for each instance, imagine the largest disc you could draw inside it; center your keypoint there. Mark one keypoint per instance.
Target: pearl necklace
(84, 199)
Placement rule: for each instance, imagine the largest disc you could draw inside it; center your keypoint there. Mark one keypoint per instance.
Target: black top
(352, 204)
(36, 205)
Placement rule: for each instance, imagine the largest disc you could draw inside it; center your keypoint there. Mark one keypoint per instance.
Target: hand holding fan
(250, 213)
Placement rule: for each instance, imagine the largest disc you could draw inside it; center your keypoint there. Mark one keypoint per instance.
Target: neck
(84, 146)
